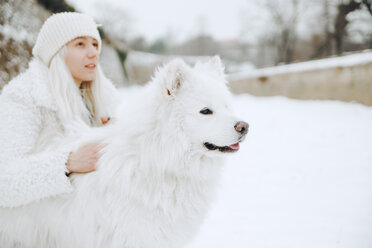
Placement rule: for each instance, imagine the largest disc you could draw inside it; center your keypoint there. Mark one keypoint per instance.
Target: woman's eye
(80, 43)
(206, 111)
(95, 45)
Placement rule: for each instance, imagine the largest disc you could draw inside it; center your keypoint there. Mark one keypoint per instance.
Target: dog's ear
(216, 65)
(174, 75)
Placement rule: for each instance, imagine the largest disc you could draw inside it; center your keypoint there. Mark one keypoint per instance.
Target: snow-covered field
(302, 179)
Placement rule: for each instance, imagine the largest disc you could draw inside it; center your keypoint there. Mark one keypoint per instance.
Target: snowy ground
(302, 179)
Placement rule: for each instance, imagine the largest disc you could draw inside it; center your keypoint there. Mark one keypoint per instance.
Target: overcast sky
(153, 19)
(179, 20)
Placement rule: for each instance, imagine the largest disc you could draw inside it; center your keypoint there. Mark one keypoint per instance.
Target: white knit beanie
(61, 28)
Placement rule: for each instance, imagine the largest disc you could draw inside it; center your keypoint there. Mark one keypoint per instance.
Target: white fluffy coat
(32, 164)
(27, 124)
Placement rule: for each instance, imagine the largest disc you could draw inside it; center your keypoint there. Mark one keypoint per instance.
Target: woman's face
(82, 58)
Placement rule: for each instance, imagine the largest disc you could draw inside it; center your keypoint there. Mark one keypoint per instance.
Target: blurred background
(301, 72)
(279, 36)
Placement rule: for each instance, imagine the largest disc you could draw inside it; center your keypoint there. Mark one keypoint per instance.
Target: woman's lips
(91, 66)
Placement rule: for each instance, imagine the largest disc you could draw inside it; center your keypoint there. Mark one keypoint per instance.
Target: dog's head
(200, 105)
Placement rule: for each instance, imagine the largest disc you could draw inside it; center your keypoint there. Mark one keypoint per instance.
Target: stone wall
(347, 78)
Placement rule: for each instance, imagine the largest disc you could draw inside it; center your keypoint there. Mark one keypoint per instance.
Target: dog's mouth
(230, 148)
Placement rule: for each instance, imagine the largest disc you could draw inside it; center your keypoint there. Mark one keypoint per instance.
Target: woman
(64, 85)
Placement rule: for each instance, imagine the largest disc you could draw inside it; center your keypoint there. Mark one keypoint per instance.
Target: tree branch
(368, 4)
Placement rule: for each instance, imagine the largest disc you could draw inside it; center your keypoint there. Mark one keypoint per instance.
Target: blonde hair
(70, 100)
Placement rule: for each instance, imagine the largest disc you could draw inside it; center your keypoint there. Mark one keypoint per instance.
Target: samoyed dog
(156, 175)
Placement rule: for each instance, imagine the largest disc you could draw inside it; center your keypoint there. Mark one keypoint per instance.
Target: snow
(302, 178)
(320, 64)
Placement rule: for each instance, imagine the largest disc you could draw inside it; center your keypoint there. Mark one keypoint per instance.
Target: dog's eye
(206, 111)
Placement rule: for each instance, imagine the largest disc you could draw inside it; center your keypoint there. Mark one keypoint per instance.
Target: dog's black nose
(241, 127)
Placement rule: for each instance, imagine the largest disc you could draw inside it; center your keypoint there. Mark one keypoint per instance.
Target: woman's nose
(93, 51)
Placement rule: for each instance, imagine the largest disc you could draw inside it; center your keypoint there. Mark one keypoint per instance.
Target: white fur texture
(155, 178)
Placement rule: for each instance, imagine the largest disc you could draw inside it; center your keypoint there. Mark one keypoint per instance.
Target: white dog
(156, 176)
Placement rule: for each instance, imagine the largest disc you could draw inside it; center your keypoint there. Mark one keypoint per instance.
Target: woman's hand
(105, 120)
(84, 159)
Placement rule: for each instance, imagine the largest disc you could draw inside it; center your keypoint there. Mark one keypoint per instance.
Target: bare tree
(325, 46)
(341, 19)
(284, 33)
(341, 22)
(368, 4)
(300, 29)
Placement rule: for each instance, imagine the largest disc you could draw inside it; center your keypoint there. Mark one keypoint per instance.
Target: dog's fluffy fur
(156, 175)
